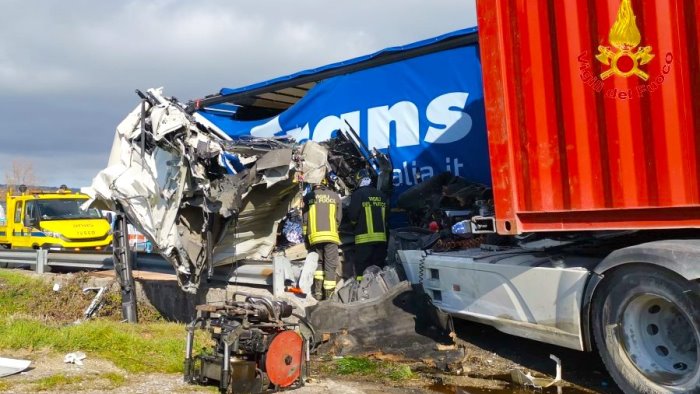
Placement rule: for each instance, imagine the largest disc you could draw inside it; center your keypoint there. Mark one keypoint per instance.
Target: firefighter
(322, 215)
(368, 214)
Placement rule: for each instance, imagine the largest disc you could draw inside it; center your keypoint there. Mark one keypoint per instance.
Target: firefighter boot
(318, 285)
(318, 289)
(328, 289)
(327, 293)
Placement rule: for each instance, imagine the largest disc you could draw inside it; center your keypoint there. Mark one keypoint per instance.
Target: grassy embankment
(36, 319)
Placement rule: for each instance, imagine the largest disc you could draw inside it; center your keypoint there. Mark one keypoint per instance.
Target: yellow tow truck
(54, 221)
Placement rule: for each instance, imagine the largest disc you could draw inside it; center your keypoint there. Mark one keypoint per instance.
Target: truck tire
(646, 325)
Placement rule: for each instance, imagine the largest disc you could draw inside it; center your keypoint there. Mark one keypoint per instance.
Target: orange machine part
(591, 115)
(283, 360)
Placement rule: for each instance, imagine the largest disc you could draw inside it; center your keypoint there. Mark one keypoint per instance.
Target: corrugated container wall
(593, 113)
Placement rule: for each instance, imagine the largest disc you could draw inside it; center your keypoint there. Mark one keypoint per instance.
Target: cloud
(68, 75)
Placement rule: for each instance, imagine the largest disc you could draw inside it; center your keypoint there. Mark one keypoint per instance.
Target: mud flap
(402, 315)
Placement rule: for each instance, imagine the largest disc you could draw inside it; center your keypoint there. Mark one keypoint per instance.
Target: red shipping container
(591, 114)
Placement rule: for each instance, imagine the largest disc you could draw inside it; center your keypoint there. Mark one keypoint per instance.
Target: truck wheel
(646, 324)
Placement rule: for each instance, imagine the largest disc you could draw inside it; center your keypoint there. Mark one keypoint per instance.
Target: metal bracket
(483, 225)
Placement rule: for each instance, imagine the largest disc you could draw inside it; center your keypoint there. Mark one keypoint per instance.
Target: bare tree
(21, 172)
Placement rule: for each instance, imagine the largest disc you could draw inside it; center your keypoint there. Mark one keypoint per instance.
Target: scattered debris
(442, 347)
(557, 377)
(523, 379)
(11, 366)
(390, 320)
(375, 283)
(74, 358)
(56, 287)
(520, 378)
(96, 302)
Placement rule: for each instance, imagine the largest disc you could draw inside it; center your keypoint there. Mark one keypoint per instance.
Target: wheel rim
(659, 339)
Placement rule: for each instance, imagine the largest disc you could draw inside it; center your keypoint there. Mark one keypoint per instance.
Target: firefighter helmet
(363, 173)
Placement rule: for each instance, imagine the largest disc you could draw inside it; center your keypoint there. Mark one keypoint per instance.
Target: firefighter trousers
(329, 259)
(369, 254)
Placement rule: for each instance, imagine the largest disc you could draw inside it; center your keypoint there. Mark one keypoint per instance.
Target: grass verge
(115, 380)
(54, 382)
(62, 382)
(33, 317)
(152, 347)
(368, 367)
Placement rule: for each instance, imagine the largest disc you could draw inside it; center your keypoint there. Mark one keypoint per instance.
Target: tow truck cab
(53, 221)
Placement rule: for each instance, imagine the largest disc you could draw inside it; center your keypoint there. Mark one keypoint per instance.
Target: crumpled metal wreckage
(11, 366)
(205, 199)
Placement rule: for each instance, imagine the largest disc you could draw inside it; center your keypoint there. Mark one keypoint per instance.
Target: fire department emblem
(625, 57)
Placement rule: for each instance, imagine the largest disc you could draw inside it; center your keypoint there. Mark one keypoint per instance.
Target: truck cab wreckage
(206, 200)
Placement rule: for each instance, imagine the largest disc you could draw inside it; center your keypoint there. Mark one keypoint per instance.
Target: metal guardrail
(257, 273)
(40, 259)
(74, 260)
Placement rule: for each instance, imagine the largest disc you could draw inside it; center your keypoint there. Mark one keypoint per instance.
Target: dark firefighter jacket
(368, 209)
(322, 215)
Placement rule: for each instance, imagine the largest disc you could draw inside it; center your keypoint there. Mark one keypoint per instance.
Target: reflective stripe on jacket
(367, 212)
(322, 215)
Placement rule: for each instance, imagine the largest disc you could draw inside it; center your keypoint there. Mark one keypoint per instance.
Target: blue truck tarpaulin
(426, 111)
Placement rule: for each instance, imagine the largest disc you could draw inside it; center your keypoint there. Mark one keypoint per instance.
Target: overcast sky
(68, 69)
